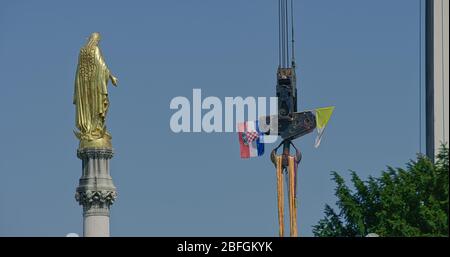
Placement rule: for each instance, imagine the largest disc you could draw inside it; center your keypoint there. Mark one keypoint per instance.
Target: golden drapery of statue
(91, 96)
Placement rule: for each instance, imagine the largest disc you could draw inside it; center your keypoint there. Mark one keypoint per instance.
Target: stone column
(437, 83)
(96, 191)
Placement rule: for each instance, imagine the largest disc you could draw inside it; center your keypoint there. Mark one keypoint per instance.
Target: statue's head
(94, 39)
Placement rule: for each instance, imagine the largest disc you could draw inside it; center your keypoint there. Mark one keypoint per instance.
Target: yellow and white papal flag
(323, 115)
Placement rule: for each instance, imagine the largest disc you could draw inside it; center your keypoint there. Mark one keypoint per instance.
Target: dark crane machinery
(291, 124)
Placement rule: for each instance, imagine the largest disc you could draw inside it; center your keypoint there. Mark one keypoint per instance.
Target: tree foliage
(401, 202)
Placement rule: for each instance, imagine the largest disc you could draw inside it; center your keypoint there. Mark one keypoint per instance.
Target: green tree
(402, 202)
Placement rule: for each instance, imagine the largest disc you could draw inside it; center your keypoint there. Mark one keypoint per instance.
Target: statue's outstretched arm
(113, 79)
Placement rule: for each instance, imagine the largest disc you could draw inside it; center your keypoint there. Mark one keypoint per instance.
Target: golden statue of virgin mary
(91, 96)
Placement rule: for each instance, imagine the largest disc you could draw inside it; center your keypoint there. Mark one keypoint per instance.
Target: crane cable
(285, 57)
(292, 35)
(279, 34)
(286, 39)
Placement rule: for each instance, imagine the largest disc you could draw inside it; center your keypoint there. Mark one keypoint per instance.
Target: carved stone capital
(96, 202)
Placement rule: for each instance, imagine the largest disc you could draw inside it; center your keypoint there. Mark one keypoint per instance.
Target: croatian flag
(250, 139)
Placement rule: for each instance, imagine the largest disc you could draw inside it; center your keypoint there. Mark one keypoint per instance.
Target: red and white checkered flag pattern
(252, 136)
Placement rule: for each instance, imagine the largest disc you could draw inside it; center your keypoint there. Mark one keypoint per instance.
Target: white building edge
(436, 75)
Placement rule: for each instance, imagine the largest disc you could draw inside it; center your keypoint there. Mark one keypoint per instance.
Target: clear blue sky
(361, 56)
